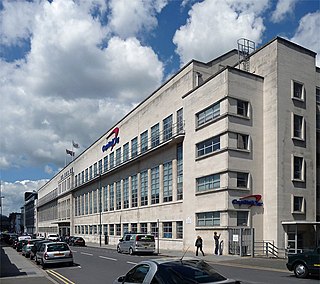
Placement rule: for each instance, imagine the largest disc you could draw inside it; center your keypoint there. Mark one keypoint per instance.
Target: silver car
(54, 252)
(173, 270)
(136, 243)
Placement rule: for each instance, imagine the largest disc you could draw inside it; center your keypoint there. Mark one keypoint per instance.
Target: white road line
(129, 262)
(109, 258)
(87, 253)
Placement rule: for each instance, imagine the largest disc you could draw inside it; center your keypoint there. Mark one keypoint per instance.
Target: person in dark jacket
(199, 244)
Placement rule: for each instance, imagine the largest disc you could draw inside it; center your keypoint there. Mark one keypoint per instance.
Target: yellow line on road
(60, 277)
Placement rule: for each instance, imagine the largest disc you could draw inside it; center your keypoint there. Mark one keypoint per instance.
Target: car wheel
(119, 249)
(42, 263)
(301, 270)
(130, 251)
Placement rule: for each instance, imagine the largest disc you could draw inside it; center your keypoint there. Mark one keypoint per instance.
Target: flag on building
(69, 152)
(75, 145)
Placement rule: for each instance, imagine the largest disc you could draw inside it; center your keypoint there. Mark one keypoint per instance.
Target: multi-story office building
(230, 146)
(29, 212)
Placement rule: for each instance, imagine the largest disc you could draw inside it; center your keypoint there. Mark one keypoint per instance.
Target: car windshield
(145, 238)
(191, 270)
(57, 247)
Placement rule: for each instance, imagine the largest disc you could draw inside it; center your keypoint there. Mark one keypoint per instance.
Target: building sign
(111, 143)
(251, 200)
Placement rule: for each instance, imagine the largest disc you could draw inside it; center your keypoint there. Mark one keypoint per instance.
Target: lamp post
(1, 205)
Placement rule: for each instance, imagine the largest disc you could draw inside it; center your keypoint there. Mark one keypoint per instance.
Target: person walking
(199, 244)
(216, 238)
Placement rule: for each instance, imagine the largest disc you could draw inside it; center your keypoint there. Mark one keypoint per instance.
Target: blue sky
(69, 70)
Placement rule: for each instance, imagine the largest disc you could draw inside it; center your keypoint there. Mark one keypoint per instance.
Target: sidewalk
(274, 264)
(16, 269)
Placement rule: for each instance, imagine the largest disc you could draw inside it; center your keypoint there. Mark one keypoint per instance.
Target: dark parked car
(26, 249)
(305, 263)
(36, 246)
(54, 252)
(77, 241)
(173, 270)
(20, 244)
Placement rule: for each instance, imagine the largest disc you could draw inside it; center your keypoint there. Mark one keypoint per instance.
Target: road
(94, 265)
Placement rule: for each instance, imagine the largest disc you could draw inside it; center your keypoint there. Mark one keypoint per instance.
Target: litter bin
(106, 239)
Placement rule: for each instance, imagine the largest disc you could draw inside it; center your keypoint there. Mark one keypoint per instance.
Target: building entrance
(240, 241)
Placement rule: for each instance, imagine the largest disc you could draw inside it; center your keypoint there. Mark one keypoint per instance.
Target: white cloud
(308, 34)
(215, 26)
(283, 8)
(128, 18)
(76, 81)
(13, 194)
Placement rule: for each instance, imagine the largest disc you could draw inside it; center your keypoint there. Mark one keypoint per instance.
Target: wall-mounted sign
(115, 140)
(251, 200)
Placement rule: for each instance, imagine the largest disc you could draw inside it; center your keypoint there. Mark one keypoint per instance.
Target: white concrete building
(230, 146)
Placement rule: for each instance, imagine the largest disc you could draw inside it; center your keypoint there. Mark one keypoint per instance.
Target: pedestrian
(199, 244)
(216, 243)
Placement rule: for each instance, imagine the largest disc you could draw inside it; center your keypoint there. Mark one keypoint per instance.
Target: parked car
(53, 237)
(173, 270)
(54, 252)
(20, 244)
(26, 249)
(136, 242)
(36, 246)
(77, 241)
(304, 263)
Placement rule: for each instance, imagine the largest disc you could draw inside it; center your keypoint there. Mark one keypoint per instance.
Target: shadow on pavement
(7, 268)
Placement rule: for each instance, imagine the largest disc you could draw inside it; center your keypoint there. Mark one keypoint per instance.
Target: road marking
(60, 277)
(129, 262)
(109, 258)
(87, 253)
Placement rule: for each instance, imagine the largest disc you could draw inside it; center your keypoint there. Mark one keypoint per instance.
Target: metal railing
(266, 248)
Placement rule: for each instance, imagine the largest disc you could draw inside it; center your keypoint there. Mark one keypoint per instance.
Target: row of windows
(121, 229)
(126, 193)
(123, 155)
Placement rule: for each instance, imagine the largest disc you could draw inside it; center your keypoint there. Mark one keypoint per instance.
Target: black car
(36, 247)
(20, 244)
(77, 241)
(305, 263)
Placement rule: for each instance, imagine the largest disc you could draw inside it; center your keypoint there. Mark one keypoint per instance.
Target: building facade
(230, 146)
(29, 215)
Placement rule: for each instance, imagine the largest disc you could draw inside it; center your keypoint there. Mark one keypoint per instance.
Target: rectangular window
(90, 173)
(134, 191)
(118, 229)
(100, 166)
(82, 177)
(95, 207)
(126, 193)
(87, 203)
(90, 229)
(144, 228)
(82, 204)
(208, 219)
(118, 156)
(318, 95)
(298, 91)
(167, 230)
(105, 229)
(105, 163)
(125, 228)
(154, 229)
(167, 182)
(298, 204)
(242, 180)
(242, 218)
(87, 175)
(242, 141)
(155, 185)
(144, 141)
(208, 146)
(242, 108)
(180, 123)
(134, 147)
(126, 152)
(179, 171)
(105, 197)
(94, 229)
(167, 128)
(111, 204)
(111, 160)
(208, 114)
(298, 126)
(86, 229)
(90, 202)
(111, 229)
(95, 169)
(298, 168)
(179, 227)
(134, 227)
(208, 182)
(155, 135)
(118, 195)
(144, 188)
